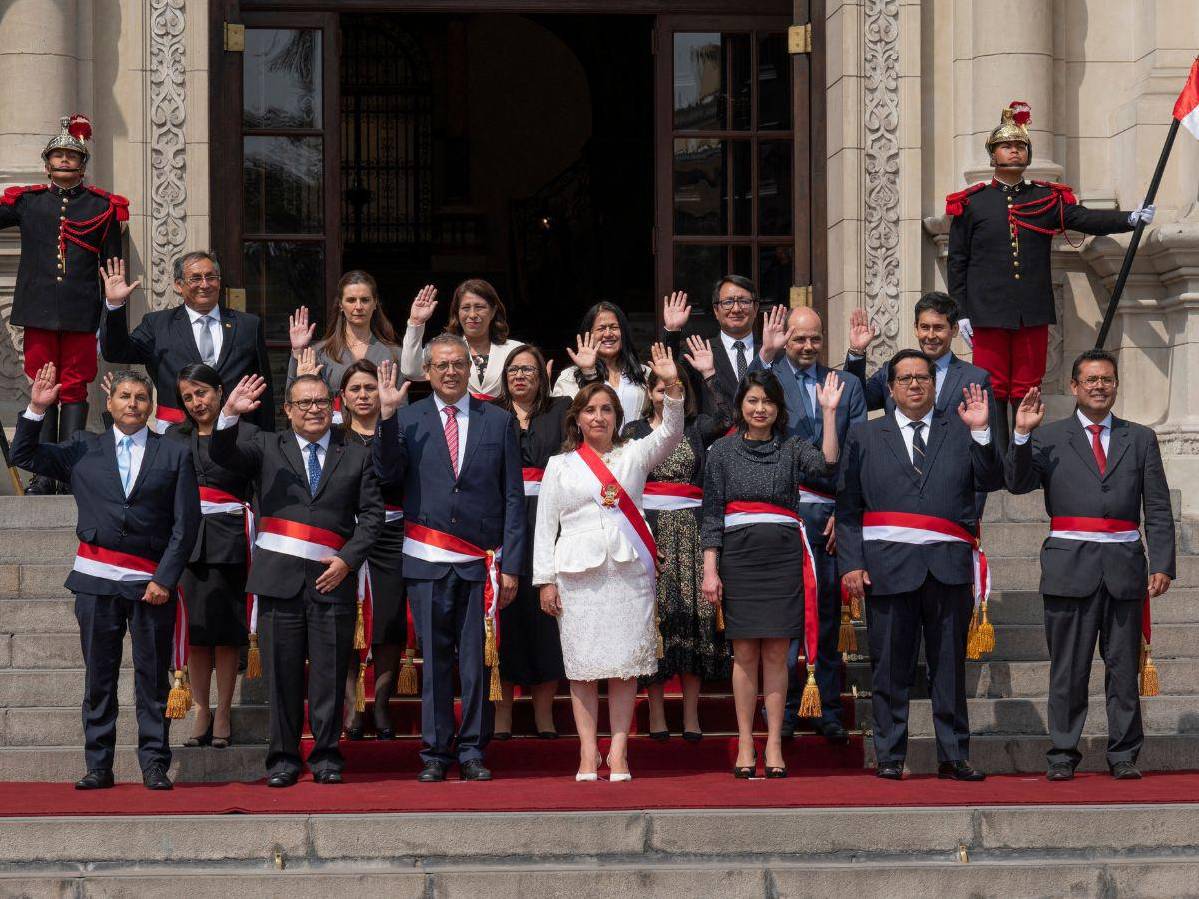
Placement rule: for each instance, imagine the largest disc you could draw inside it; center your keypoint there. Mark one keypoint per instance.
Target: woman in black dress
(530, 651)
(693, 648)
(754, 557)
(389, 618)
(214, 583)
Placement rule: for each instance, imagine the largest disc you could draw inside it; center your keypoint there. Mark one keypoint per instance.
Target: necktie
(918, 447)
(742, 362)
(125, 461)
(207, 350)
(804, 396)
(451, 434)
(314, 469)
(1097, 447)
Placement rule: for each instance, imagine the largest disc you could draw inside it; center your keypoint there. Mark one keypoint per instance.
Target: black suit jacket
(877, 476)
(726, 381)
(1059, 458)
(158, 520)
(164, 343)
(347, 502)
(958, 375)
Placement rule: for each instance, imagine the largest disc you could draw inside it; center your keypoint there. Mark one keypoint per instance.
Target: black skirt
(215, 597)
(761, 567)
(389, 624)
(530, 650)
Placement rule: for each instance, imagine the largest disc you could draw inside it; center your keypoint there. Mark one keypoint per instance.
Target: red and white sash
(302, 541)
(165, 416)
(431, 545)
(671, 496)
(1094, 530)
(113, 565)
(812, 495)
(616, 503)
(179, 640)
(532, 478)
(482, 397)
(922, 530)
(218, 502)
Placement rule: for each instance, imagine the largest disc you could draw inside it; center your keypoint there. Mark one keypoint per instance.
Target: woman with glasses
(605, 354)
(530, 651)
(477, 314)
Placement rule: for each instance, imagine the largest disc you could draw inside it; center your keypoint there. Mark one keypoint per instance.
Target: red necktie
(451, 435)
(1097, 447)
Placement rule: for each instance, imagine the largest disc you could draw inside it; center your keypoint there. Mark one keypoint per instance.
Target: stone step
(1179, 606)
(1024, 574)
(62, 687)
(40, 544)
(198, 765)
(39, 726)
(997, 754)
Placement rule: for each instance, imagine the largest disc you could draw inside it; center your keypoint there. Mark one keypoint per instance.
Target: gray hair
(125, 375)
(445, 339)
(195, 256)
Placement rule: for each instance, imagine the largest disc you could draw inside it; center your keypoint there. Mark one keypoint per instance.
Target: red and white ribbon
(615, 502)
(671, 496)
(165, 416)
(532, 478)
(812, 495)
(924, 530)
(1094, 530)
(302, 541)
(214, 501)
(430, 545)
(179, 640)
(482, 397)
(113, 565)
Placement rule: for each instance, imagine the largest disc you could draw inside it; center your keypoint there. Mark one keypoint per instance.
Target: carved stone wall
(168, 146)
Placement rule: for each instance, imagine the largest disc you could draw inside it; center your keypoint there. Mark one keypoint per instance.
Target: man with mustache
(67, 226)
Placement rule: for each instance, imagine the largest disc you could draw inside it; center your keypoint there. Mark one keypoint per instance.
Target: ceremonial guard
(999, 260)
(66, 227)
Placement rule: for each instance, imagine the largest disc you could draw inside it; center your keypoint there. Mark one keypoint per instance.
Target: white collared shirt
(1105, 436)
(215, 328)
(137, 451)
(728, 342)
(982, 438)
(322, 451)
(463, 406)
(941, 366)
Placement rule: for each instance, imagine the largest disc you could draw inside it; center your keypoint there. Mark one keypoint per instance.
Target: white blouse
(493, 374)
(572, 533)
(632, 396)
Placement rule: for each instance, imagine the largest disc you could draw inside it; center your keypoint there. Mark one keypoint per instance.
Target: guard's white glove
(1142, 214)
(967, 332)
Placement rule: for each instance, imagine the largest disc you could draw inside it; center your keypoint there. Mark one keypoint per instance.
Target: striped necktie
(918, 447)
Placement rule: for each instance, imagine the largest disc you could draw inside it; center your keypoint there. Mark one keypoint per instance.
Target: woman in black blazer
(530, 651)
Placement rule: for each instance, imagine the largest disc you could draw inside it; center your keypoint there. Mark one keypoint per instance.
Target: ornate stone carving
(880, 103)
(12, 339)
(168, 146)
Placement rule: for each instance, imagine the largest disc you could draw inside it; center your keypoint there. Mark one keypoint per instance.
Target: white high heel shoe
(615, 778)
(588, 778)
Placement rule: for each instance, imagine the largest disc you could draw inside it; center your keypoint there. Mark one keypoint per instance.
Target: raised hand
(391, 397)
(774, 332)
(663, 364)
(43, 392)
(700, 358)
(243, 399)
(306, 363)
(861, 332)
(1030, 413)
(423, 305)
(299, 331)
(973, 409)
(585, 352)
(675, 311)
(112, 275)
(106, 383)
(829, 395)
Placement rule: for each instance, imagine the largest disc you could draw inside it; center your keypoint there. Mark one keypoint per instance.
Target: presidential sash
(532, 480)
(618, 506)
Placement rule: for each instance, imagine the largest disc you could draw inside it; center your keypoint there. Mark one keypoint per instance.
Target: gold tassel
(1150, 685)
(406, 684)
(986, 633)
(360, 689)
(491, 655)
(179, 699)
(187, 688)
(360, 629)
(660, 647)
(972, 650)
(253, 659)
(809, 703)
(848, 640)
(720, 616)
(855, 608)
(496, 692)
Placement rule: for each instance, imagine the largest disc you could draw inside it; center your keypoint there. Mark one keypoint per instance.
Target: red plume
(79, 127)
(1021, 112)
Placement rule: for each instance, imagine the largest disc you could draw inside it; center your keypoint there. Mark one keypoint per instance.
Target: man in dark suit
(200, 330)
(459, 461)
(1098, 472)
(906, 531)
(139, 511)
(791, 349)
(319, 509)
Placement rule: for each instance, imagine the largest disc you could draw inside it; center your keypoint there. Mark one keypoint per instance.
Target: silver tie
(207, 350)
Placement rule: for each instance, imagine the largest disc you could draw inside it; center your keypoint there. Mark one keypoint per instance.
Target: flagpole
(1110, 315)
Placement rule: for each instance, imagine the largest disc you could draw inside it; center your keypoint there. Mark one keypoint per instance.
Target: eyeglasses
(197, 280)
(908, 380)
(606, 329)
(457, 365)
(742, 302)
(1097, 380)
(527, 370)
(306, 404)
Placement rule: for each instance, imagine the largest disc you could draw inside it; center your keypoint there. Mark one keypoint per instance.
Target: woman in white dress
(605, 353)
(591, 575)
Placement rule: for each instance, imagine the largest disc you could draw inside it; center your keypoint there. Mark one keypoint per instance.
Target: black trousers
(1072, 625)
(103, 621)
(941, 614)
(828, 660)
(448, 615)
(293, 630)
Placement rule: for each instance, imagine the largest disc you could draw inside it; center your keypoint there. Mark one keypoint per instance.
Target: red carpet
(369, 794)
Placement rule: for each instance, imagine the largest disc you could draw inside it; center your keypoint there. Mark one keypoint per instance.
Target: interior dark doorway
(517, 148)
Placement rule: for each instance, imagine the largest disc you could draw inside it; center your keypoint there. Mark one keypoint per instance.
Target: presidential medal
(609, 495)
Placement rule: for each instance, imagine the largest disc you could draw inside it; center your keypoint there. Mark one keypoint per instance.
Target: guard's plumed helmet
(76, 132)
(1013, 127)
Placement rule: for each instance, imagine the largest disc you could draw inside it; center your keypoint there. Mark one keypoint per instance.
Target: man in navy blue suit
(791, 346)
(464, 543)
(139, 512)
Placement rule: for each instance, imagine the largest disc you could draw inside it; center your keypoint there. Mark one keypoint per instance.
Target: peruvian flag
(1186, 109)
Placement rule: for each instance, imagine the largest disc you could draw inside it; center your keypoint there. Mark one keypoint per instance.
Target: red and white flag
(1186, 108)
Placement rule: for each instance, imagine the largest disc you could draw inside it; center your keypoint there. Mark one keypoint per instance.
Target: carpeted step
(998, 754)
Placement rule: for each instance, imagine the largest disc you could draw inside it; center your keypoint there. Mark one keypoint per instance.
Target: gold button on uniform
(1016, 276)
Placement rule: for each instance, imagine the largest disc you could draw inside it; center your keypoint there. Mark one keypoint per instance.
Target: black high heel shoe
(205, 739)
(660, 735)
(745, 772)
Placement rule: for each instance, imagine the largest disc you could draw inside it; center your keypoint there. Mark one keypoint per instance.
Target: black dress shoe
(354, 734)
(95, 779)
(959, 770)
(475, 770)
(693, 736)
(502, 735)
(660, 735)
(155, 778)
(1060, 771)
(1125, 771)
(889, 772)
(547, 735)
(327, 777)
(834, 733)
(787, 731)
(433, 772)
(282, 779)
(385, 733)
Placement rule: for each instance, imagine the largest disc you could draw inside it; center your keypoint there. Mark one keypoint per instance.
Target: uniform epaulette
(121, 204)
(956, 203)
(14, 193)
(1064, 190)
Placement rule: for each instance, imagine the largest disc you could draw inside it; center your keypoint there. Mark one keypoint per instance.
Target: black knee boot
(72, 418)
(1000, 431)
(41, 485)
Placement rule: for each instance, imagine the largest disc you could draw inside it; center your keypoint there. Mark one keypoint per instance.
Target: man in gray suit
(1098, 472)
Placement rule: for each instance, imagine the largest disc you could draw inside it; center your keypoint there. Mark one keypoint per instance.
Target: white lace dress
(607, 625)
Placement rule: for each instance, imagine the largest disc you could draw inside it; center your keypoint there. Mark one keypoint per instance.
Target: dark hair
(651, 381)
(308, 379)
(128, 374)
(940, 303)
(908, 354)
(774, 392)
(334, 343)
(740, 280)
(629, 360)
(498, 329)
(361, 367)
(570, 427)
(542, 401)
(1094, 356)
(201, 374)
